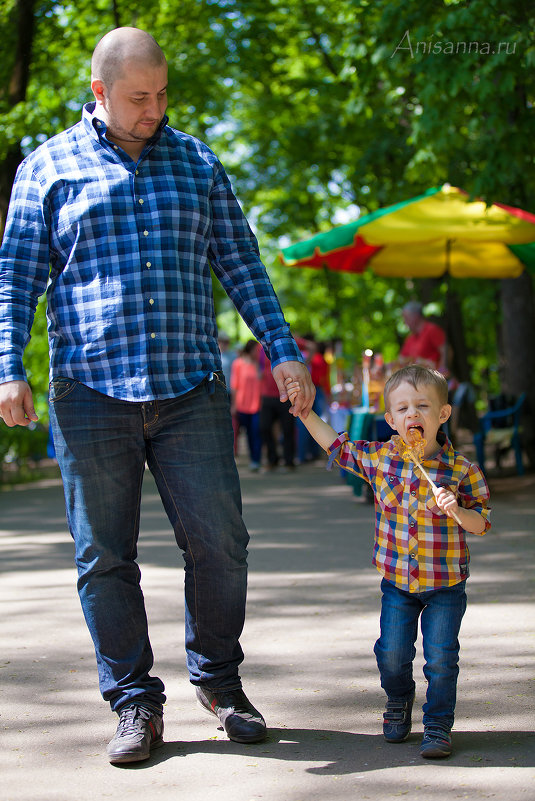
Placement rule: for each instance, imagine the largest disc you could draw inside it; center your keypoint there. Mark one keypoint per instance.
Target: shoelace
(235, 701)
(129, 719)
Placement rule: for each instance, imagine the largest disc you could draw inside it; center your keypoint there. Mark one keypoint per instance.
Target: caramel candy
(413, 449)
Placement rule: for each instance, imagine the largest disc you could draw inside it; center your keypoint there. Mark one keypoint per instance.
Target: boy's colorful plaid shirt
(417, 547)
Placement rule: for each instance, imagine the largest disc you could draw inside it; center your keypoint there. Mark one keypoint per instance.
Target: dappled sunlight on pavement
(313, 617)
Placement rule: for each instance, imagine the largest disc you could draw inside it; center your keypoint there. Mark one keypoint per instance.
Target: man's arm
(235, 260)
(24, 268)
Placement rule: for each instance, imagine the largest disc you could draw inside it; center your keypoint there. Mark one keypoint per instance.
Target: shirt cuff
(334, 450)
(284, 350)
(11, 369)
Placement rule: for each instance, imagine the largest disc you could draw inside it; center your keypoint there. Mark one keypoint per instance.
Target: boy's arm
(323, 433)
(470, 519)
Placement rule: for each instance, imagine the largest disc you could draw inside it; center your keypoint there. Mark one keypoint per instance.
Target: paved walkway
(312, 621)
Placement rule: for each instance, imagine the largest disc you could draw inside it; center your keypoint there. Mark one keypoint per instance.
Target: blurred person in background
(426, 342)
(245, 403)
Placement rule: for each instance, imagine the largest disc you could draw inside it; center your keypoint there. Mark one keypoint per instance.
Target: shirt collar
(446, 454)
(97, 128)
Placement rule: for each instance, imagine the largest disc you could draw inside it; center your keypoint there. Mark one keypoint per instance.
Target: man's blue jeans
(102, 446)
(441, 613)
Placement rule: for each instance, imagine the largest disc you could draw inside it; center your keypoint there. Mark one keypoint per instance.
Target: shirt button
(413, 492)
(141, 201)
(137, 172)
(145, 233)
(115, 147)
(153, 336)
(413, 556)
(149, 264)
(151, 301)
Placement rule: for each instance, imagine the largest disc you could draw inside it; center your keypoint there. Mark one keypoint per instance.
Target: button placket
(146, 264)
(413, 524)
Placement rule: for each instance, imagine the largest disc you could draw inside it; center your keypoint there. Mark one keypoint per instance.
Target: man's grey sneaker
(436, 743)
(241, 721)
(138, 732)
(397, 720)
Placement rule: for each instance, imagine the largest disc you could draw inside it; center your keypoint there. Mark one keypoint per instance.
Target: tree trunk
(15, 92)
(457, 351)
(518, 341)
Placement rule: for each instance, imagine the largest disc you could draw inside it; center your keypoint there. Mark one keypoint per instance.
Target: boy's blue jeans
(441, 613)
(102, 445)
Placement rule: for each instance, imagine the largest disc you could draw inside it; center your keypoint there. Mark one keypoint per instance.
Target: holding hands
(293, 388)
(293, 373)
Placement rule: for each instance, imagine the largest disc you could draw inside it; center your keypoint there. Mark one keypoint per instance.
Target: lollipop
(413, 451)
(414, 447)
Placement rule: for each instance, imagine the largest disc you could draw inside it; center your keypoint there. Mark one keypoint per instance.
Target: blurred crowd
(275, 440)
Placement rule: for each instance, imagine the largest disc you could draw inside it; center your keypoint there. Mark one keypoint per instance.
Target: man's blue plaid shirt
(126, 250)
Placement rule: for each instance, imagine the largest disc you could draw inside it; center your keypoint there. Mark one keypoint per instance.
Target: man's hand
(296, 371)
(16, 404)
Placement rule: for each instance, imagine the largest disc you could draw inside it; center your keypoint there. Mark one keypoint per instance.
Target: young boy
(420, 547)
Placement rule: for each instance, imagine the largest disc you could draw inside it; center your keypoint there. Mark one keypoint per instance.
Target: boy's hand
(447, 501)
(292, 388)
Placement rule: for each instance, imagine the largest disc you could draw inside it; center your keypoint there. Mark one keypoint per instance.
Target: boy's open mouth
(415, 428)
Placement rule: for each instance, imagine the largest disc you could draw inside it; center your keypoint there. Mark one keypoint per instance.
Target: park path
(312, 620)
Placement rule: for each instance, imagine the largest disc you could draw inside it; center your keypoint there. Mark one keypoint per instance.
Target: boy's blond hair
(417, 375)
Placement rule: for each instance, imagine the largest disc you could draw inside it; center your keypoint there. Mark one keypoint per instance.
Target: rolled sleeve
(474, 494)
(335, 449)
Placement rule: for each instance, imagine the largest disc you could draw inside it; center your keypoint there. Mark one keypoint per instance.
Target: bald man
(119, 219)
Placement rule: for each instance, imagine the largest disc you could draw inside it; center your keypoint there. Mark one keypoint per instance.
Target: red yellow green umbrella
(438, 232)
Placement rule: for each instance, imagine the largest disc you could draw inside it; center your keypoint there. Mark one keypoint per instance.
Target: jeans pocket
(220, 378)
(60, 388)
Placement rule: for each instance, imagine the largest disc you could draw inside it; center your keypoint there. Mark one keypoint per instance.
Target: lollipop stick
(424, 471)
(433, 485)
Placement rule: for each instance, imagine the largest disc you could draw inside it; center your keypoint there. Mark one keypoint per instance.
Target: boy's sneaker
(397, 720)
(139, 730)
(436, 743)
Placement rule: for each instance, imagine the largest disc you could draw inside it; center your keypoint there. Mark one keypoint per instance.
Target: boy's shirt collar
(445, 455)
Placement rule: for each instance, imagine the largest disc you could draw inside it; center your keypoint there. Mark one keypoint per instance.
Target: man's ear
(390, 420)
(99, 90)
(445, 413)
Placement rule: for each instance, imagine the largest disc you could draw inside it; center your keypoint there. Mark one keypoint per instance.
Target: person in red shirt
(312, 351)
(426, 342)
(319, 371)
(245, 394)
